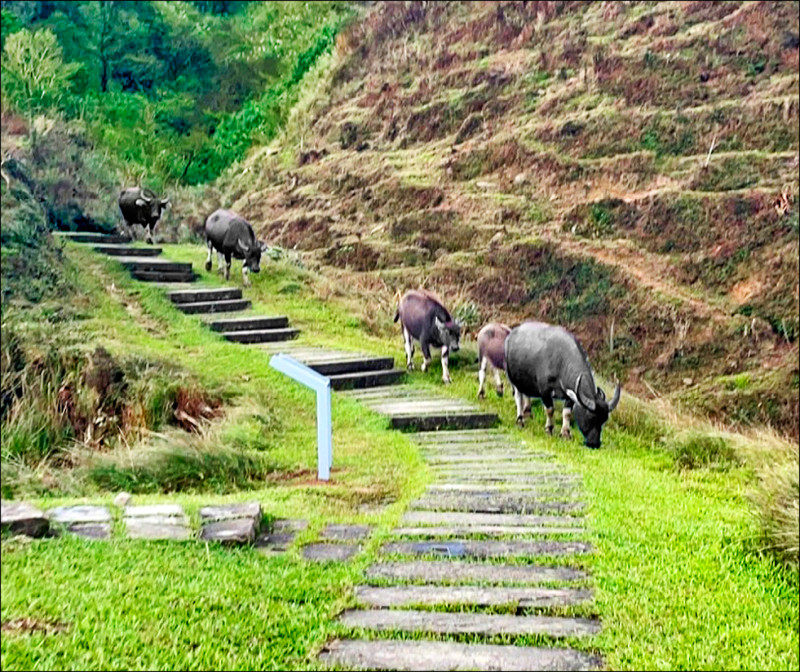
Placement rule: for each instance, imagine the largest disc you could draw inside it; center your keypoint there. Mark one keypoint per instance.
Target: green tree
(34, 74)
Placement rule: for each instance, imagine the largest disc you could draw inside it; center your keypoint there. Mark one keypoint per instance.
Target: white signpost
(322, 386)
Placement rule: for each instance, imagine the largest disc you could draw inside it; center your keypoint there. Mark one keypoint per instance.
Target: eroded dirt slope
(629, 170)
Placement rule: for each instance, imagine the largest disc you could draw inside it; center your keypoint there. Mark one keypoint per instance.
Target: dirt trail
(646, 269)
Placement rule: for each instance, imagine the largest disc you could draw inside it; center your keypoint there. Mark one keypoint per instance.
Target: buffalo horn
(615, 399)
(587, 403)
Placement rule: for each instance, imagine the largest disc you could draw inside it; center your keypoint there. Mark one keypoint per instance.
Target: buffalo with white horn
(548, 362)
(233, 237)
(143, 207)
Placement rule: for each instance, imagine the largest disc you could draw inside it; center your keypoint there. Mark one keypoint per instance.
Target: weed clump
(694, 450)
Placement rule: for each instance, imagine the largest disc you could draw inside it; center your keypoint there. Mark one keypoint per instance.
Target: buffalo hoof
(481, 394)
(446, 381)
(499, 392)
(566, 434)
(409, 367)
(549, 430)
(520, 421)
(208, 265)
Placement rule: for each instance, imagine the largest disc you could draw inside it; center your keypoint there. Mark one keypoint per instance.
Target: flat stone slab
(462, 623)
(530, 488)
(148, 529)
(67, 515)
(231, 531)
(284, 530)
(219, 512)
(91, 530)
(496, 504)
(23, 518)
(148, 510)
(488, 457)
(457, 548)
(478, 596)
(330, 552)
(540, 477)
(467, 518)
(442, 656)
(458, 571)
(339, 532)
(484, 530)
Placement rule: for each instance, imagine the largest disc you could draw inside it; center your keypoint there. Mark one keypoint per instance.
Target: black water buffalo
(143, 207)
(491, 354)
(547, 362)
(232, 236)
(424, 318)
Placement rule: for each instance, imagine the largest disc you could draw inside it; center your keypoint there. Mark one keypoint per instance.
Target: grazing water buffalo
(491, 354)
(548, 362)
(141, 206)
(232, 236)
(424, 318)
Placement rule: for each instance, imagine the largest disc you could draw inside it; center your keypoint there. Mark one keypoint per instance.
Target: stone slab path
(501, 528)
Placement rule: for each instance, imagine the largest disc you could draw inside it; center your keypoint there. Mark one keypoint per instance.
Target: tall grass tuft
(776, 501)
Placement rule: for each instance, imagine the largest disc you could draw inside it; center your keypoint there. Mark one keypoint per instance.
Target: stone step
(463, 435)
(164, 276)
(213, 306)
(446, 447)
(488, 456)
(442, 420)
(495, 504)
(127, 251)
(476, 596)
(249, 324)
(88, 237)
(23, 518)
(154, 264)
(353, 365)
(91, 522)
(468, 623)
(156, 522)
(457, 548)
(393, 406)
(261, 335)
(461, 518)
(530, 476)
(359, 379)
(439, 656)
(531, 488)
(483, 530)
(204, 295)
(458, 571)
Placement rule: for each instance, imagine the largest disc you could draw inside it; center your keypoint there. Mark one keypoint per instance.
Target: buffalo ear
(140, 202)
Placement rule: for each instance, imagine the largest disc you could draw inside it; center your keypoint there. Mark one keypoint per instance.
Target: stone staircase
(474, 544)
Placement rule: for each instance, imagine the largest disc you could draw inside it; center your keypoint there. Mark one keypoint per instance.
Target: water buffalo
(143, 207)
(424, 318)
(547, 362)
(232, 236)
(491, 354)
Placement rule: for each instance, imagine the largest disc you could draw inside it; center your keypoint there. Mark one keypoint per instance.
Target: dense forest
(175, 91)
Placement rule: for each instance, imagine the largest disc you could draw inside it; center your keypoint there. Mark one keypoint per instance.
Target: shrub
(695, 449)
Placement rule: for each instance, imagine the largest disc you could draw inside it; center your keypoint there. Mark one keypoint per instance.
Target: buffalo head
(449, 333)
(151, 206)
(591, 413)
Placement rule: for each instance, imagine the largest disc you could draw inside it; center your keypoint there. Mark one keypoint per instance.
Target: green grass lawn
(679, 583)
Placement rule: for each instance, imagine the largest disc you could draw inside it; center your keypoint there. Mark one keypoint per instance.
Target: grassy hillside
(628, 170)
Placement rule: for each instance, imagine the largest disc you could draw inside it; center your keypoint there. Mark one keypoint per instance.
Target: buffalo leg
(245, 275)
(227, 266)
(426, 354)
(210, 253)
(482, 377)
(149, 235)
(526, 409)
(445, 364)
(519, 399)
(498, 382)
(548, 425)
(220, 262)
(409, 345)
(566, 421)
